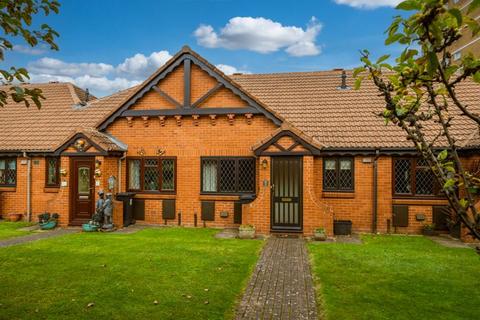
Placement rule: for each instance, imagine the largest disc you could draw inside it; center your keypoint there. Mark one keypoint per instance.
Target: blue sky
(109, 45)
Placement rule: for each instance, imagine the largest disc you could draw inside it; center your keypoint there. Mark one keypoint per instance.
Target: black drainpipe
(375, 192)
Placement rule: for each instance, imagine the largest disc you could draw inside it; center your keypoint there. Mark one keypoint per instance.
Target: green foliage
(12, 229)
(420, 91)
(16, 21)
(190, 273)
(395, 277)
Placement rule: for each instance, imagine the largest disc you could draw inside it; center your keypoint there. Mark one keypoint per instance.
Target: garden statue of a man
(99, 208)
(108, 213)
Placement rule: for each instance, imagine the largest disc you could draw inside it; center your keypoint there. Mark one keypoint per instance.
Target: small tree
(16, 17)
(420, 93)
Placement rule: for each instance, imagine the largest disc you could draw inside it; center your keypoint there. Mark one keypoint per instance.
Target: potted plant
(246, 231)
(48, 221)
(319, 234)
(14, 217)
(429, 229)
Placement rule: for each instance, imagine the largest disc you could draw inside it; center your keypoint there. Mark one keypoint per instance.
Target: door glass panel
(84, 180)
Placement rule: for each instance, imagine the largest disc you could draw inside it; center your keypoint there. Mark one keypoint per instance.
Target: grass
(11, 229)
(191, 274)
(396, 277)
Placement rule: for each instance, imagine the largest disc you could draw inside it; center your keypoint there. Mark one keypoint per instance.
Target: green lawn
(11, 229)
(396, 277)
(188, 272)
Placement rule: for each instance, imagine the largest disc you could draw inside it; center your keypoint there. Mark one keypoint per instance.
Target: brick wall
(43, 199)
(188, 139)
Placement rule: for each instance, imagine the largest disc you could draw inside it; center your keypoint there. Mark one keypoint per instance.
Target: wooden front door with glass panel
(82, 187)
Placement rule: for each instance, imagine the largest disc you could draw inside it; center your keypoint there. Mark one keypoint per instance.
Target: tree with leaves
(420, 92)
(16, 20)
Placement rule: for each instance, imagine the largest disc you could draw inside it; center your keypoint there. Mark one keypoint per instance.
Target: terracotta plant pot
(14, 217)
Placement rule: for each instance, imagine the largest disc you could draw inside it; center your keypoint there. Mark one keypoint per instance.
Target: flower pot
(14, 217)
(246, 233)
(320, 236)
(429, 232)
(49, 225)
(87, 227)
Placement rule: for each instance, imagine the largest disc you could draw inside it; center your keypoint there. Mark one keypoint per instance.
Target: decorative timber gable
(90, 142)
(188, 86)
(287, 141)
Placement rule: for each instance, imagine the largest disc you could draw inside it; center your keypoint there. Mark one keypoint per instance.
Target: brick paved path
(35, 236)
(281, 286)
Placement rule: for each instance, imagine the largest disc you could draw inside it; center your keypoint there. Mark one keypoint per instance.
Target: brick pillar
(257, 213)
(118, 213)
(316, 213)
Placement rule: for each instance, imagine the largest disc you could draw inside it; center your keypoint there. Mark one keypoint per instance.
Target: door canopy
(287, 141)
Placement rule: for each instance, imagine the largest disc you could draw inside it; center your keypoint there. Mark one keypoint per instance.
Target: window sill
(219, 197)
(422, 201)
(8, 189)
(155, 196)
(51, 189)
(342, 195)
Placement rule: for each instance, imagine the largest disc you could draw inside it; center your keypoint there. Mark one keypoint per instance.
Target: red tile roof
(45, 129)
(309, 101)
(313, 103)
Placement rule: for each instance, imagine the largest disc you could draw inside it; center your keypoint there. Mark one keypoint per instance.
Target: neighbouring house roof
(45, 129)
(344, 118)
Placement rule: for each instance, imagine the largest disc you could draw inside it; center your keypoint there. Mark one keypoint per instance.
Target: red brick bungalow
(286, 152)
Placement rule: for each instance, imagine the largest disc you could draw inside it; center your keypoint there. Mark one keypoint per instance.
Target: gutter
(29, 186)
(375, 192)
(119, 181)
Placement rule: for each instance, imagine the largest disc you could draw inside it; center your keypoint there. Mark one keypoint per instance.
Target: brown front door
(287, 180)
(82, 186)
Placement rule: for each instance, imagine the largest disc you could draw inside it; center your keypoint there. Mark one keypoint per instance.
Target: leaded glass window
(338, 174)
(52, 172)
(8, 171)
(228, 175)
(403, 179)
(414, 177)
(151, 174)
(168, 175)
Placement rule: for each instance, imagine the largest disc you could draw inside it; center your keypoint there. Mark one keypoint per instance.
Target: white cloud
(40, 49)
(228, 70)
(97, 85)
(102, 78)
(261, 35)
(61, 68)
(369, 4)
(141, 66)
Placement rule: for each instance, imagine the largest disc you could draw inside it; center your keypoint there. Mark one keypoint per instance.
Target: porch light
(264, 163)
